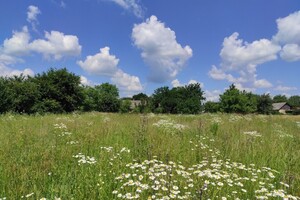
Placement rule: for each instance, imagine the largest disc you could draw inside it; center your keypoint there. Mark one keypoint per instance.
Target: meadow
(131, 156)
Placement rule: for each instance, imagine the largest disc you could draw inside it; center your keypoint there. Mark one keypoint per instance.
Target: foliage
(144, 105)
(59, 91)
(235, 101)
(90, 98)
(211, 107)
(186, 100)
(60, 86)
(5, 96)
(108, 98)
(102, 98)
(125, 106)
(140, 96)
(294, 101)
(279, 98)
(264, 104)
(25, 94)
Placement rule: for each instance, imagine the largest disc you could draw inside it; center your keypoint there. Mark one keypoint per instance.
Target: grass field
(115, 156)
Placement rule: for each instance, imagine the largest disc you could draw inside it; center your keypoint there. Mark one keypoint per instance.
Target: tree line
(60, 91)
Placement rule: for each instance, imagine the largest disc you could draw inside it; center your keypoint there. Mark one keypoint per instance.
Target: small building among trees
(135, 103)
(281, 107)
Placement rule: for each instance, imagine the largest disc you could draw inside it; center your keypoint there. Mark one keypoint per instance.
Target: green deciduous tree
(60, 90)
(279, 98)
(102, 98)
(108, 98)
(264, 104)
(212, 107)
(235, 101)
(294, 101)
(25, 94)
(6, 97)
(187, 99)
(125, 106)
(190, 99)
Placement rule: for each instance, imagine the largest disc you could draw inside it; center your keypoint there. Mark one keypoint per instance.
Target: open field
(115, 156)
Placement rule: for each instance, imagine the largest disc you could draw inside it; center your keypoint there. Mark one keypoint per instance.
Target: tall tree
(91, 97)
(190, 99)
(6, 97)
(187, 99)
(230, 100)
(235, 101)
(108, 98)
(158, 99)
(25, 94)
(294, 101)
(264, 104)
(59, 88)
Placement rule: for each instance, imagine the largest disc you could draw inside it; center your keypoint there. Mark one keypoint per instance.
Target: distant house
(135, 103)
(281, 107)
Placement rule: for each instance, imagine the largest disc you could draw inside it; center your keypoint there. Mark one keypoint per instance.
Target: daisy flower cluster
(252, 133)
(211, 178)
(216, 120)
(62, 129)
(82, 159)
(169, 126)
(235, 118)
(279, 130)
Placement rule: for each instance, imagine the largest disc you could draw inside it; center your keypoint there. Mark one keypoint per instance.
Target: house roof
(278, 106)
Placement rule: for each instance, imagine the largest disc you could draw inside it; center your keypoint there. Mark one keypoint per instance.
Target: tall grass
(128, 156)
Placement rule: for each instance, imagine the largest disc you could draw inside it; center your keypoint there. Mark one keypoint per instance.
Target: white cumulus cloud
(85, 81)
(262, 83)
(32, 13)
(213, 95)
(176, 83)
(242, 58)
(6, 71)
(219, 74)
(288, 35)
(131, 5)
(128, 84)
(239, 55)
(56, 45)
(284, 88)
(160, 50)
(288, 29)
(102, 63)
(18, 44)
(105, 64)
(290, 52)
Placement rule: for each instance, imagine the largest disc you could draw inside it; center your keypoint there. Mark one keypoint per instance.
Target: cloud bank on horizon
(164, 57)
(243, 58)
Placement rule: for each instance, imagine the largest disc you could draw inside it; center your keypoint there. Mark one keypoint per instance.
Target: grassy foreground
(116, 156)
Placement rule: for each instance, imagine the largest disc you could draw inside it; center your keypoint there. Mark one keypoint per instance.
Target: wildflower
(115, 192)
(29, 195)
(252, 133)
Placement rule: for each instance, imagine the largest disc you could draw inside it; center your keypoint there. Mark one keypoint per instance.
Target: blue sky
(142, 45)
